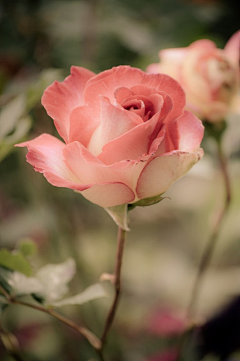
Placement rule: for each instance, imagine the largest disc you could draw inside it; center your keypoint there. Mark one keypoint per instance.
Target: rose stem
(92, 339)
(117, 284)
(208, 252)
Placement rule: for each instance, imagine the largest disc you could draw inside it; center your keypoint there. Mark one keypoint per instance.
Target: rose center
(142, 106)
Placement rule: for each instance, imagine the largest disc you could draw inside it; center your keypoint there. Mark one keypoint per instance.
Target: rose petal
(131, 145)
(114, 122)
(89, 169)
(106, 83)
(121, 93)
(153, 68)
(109, 195)
(190, 132)
(203, 44)
(160, 173)
(232, 49)
(59, 99)
(171, 61)
(83, 122)
(175, 55)
(45, 154)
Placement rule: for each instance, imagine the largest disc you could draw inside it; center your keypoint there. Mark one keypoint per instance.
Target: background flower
(209, 76)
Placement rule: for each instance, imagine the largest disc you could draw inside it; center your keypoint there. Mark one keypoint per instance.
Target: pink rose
(209, 76)
(126, 135)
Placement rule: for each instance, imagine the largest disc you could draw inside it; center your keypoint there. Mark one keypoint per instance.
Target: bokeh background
(40, 40)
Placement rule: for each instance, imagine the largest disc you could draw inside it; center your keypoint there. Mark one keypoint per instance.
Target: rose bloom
(126, 135)
(209, 76)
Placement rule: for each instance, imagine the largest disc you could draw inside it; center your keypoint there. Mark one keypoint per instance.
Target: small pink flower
(209, 76)
(169, 355)
(126, 135)
(166, 323)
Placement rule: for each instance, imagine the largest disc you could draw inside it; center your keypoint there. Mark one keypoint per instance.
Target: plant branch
(117, 284)
(92, 339)
(211, 244)
(5, 294)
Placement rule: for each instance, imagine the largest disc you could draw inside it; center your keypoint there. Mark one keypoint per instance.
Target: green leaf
(120, 215)
(15, 262)
(4, 276)
(91, 293)
(27, 247)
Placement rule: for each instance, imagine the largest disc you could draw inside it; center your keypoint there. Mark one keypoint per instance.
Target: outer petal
(89, 169)
(109, 195)
(159, 174)
(171, 61)
(59, 99)
(105, 84)
(153, 68)
(175, 55)
(203, 45)
(232, 49)
(45, 154)
(190, 132)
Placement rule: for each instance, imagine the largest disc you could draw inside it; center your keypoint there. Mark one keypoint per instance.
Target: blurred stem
(90, 36)
(11, 345)
(92, 339)
(117, 284)
(211, 244)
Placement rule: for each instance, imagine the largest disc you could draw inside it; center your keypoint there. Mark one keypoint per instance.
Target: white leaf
(23, 285)
(54, 278)
(91, 293)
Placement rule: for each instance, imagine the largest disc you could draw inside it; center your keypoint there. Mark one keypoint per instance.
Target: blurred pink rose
(166, 323)
(209, 76)
(126, 135)
(169, 355)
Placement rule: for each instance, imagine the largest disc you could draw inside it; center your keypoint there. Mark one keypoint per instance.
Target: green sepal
(146, 202)
(120, 215)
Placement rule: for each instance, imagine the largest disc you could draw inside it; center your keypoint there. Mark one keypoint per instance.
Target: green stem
(117, 284)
